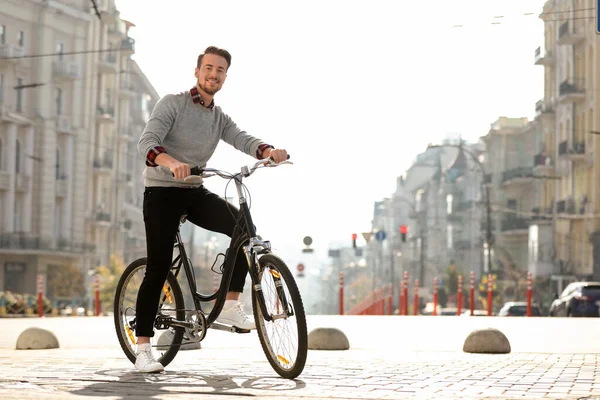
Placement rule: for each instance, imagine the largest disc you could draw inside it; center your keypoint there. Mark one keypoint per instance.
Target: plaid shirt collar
(197, 98)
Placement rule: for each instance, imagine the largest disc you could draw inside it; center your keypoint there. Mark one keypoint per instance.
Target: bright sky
(354, 90)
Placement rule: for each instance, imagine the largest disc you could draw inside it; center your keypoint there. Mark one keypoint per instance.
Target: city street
(389, 357)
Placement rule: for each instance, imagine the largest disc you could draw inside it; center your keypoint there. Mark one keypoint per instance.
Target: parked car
(579, 299)
(518, 309)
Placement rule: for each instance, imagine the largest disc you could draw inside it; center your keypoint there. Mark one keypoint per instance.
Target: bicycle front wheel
(285, 340)
(165, 342)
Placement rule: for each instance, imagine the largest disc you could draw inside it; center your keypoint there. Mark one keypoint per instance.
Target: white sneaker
(145, 361)
(235, 316)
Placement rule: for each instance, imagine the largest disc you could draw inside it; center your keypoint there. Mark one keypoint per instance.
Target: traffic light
(354, 240)
(403, 230)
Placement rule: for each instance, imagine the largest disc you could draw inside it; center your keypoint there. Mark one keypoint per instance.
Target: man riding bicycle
(183, 131)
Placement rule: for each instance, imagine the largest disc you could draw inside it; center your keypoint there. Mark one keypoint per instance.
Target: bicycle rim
(284, 341)
(165, 342)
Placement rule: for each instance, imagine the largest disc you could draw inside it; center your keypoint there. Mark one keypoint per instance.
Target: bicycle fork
(251, 251)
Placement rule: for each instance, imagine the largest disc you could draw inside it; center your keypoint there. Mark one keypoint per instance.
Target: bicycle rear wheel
(284, 341)
(165, 342)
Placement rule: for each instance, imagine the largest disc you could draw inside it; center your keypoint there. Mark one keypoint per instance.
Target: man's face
(212, 73)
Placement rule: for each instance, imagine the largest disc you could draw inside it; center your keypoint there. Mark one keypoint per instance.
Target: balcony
(107, 64)
(545, 58)
(567, 34)
(66, 70)
(127, 90)
(127, 46)
(10, 53)
(63, 124)
(517, 176)
(575, 153)
(572, 209)
(571, 90)
(542, 107)
(541, 215)
(102, 218)
(24, 241)
(23, 183)
(542, 162)
(104, 165)
(514, 225)
(105, 114)
(62, 186)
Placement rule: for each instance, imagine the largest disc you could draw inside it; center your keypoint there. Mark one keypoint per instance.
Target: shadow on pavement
(132, 383)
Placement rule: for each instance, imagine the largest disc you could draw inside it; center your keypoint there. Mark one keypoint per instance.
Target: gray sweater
(189, 133)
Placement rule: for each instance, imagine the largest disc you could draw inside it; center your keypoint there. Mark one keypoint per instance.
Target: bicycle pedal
(240, 330)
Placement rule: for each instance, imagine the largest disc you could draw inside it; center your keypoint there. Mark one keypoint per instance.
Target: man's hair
(215, 50)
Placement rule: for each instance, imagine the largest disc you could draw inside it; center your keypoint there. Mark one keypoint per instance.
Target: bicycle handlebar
(245, 171)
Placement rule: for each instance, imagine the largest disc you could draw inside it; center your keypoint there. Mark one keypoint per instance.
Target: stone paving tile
(352, 375)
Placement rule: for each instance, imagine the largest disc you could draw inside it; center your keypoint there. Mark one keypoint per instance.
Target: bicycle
(276, 299)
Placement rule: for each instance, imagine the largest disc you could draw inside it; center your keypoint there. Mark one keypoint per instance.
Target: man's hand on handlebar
(180, 170)
(277, 155)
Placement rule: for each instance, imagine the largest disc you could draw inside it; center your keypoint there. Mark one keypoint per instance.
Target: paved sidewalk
(354, 374)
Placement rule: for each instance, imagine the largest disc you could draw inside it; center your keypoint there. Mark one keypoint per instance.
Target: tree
(452, 279)
(65, 281)
(109, 278)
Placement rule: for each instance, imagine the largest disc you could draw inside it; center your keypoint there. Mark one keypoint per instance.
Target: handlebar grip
(272, 159)
(196, 171)
(193, 171)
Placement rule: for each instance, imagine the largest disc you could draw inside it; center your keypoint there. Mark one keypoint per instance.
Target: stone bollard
(327, 339)
(489, 340)
(36, 339)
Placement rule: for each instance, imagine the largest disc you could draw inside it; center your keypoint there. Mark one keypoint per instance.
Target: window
(2, 34)
(512, 204)
(58, 101)
(107, 102)
(19, 105)
(18, 158)
(21, 38)
(57, 164)
(60, 49)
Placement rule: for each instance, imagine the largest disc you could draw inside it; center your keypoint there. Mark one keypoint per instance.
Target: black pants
(163, 208)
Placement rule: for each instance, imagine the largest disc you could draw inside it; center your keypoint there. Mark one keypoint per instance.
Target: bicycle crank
(198, 330)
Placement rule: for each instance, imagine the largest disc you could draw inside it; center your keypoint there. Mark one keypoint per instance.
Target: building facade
(569, 117)
(72, 106)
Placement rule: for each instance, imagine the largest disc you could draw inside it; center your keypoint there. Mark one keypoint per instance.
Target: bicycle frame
(238, 241)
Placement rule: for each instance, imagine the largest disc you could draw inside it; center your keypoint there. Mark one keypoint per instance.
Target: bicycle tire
(298, 307)
(172, 350)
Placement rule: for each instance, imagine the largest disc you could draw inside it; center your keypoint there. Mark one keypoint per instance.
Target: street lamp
(488, 207)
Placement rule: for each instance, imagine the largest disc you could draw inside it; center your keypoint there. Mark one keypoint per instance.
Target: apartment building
(69, 189)
(567, 146)
(437, 200)
(510, 179)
